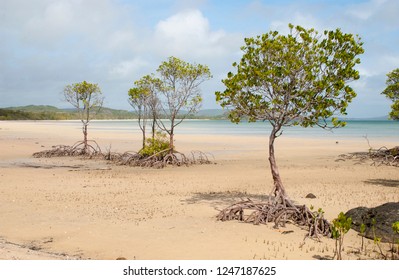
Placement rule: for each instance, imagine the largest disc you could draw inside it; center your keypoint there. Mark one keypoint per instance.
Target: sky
(48, 44)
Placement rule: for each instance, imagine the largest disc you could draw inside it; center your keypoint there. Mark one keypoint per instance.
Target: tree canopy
(392, 92)
(295, 79)
(84, 97)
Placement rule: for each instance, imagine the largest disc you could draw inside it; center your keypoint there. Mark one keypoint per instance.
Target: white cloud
(127, 69)
(188, 33)
(55, 20)
(121, 39)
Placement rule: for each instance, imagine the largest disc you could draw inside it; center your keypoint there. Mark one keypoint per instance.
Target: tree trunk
(154, 123)
(143, 130)
(278, 187)
(171, 140)
(171, 135)
(85, 136)
(153, 128)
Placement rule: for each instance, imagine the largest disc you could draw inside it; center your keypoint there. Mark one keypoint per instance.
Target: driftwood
(280, 212)
(381, 156)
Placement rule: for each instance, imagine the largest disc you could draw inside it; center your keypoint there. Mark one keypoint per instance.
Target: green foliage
(394, 114)
(140, 96)
(295, 79)
(179, 88)
(340, 226)
(362, 232)
(85, 97)
(25, 114)
(395, 227)
(392, 92)
(377, 240)
(158, 144)
(362, 228)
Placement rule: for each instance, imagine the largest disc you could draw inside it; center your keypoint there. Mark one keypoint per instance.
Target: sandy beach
(70, 208)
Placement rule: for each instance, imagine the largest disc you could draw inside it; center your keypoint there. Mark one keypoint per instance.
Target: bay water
(372, 129)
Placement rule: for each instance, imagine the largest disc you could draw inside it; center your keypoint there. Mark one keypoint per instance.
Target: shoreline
(94, 210)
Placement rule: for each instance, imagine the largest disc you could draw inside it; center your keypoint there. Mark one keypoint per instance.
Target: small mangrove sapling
(340, 226)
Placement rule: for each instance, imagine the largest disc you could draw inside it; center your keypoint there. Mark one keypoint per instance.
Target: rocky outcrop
(385, 215)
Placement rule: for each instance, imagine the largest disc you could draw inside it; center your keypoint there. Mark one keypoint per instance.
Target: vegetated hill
(35, 108)
(24, 113)
(45, 112)
(212, 113)
(113, 114)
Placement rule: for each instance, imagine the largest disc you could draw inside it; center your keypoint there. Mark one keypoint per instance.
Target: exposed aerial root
(278, 212)
(160, 159)
(381, 156)
(90, 149)
(198, 157)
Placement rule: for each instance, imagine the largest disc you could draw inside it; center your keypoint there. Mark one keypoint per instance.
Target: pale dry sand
(63, 208)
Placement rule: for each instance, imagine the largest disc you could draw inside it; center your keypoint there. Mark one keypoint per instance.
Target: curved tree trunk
(278, 187)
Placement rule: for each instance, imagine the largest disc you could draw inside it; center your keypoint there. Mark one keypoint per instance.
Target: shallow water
(373, 129)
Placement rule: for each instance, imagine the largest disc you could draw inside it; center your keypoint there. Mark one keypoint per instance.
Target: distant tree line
(14, 114)
(53, 113)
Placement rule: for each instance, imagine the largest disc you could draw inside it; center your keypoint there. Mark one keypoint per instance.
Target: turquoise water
(373, 129)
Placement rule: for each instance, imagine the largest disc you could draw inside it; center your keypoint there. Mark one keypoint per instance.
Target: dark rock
(310, 195)
(287, 231)
(385, 215)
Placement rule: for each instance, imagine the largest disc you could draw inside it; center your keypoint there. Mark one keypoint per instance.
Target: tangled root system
(89, 149)
(160, 159)
(280, 212)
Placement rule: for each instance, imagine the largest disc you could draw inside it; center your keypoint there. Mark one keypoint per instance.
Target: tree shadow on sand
(383, 182)
(220, 198)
